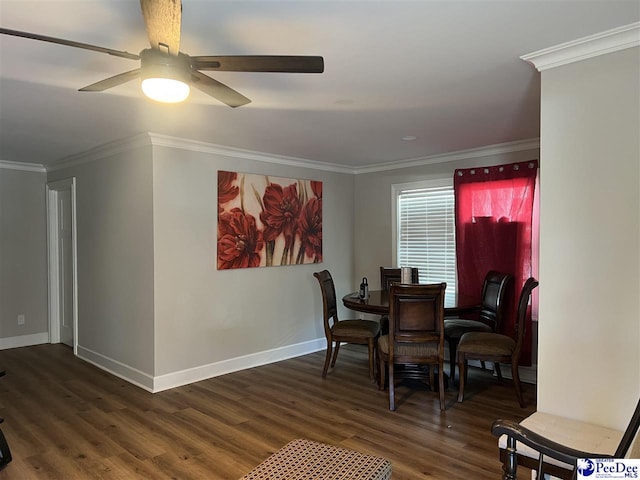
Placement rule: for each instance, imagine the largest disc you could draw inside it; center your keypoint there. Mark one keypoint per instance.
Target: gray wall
(205, 316)
(115, 260)
(23, 256)
(589, 334)
(152, 306)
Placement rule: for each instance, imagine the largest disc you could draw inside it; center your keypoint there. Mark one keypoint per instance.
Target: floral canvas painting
(267, 221)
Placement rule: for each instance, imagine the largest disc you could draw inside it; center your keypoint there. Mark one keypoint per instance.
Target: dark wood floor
(65, 419)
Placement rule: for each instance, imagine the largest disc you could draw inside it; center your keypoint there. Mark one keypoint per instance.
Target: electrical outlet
(21, 319)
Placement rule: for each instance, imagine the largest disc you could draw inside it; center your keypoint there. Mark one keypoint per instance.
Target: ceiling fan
(163, 63)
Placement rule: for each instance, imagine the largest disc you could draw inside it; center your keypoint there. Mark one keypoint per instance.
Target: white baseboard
(184, 377)
(119, 369)
(175, 379)
(24, 340)
(203, 372)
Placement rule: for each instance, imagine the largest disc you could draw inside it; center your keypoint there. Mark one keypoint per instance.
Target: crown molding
(25, 167)
(102, 151)
(204, 147)
(627, 36)
(157, 140)
(497, 149)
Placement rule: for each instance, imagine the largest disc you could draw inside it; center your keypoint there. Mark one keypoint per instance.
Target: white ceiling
(445, 72)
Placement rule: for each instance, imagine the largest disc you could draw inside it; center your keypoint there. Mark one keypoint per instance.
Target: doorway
(61, 238)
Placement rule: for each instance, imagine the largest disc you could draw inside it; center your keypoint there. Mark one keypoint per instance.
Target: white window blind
(426, 235)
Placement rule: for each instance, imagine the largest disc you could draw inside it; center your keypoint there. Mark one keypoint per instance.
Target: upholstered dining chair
(495, 347)
(336, 331)
(416, 335)
(389, 275)
(559, 446)
(489, 313)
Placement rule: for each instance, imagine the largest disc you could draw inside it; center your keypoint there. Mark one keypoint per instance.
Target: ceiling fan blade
(162, 19)
(70, 43)
(217, 90)
(112, 81)
(260, 63)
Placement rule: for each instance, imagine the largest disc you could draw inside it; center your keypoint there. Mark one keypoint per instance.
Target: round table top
(377, 303)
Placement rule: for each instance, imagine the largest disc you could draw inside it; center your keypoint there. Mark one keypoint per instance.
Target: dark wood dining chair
(489, 314)
(495, 347)
(389, 275)
(351, 331)
(416, 336)
(553, 445)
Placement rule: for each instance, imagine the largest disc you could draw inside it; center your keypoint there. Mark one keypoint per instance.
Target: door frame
(53, 259)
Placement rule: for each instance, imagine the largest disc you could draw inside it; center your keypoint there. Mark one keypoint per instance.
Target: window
(425, 232)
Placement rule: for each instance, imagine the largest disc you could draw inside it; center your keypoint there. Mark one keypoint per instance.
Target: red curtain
(493, 210)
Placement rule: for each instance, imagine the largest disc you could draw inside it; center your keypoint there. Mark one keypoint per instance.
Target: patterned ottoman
(304, 459)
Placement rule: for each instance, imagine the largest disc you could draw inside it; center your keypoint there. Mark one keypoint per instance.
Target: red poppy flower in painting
(310, 227)
(227, 191)
(239, 240)
(268, 221)
(281, 211)
(316, 188)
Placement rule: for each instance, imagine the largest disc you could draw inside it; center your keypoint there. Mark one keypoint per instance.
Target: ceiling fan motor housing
(155, 64)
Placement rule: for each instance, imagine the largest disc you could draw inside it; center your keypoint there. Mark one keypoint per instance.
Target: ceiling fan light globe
(165, 90)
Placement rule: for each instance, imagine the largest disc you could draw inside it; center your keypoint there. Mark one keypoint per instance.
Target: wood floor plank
(66, 419)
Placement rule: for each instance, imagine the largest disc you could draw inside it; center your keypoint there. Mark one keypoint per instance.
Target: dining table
(377, 303)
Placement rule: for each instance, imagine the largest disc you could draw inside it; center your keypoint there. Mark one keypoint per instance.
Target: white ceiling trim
(103, 151)
(204, 147)
(26, 167)
(599, 44)
(497, 149)
(167, 141)
(153, 139)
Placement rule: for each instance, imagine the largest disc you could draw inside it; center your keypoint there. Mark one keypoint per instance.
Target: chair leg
(335, 355)
(370, 345)
(453, 347)
(392, 399)
(462, 372)
(327, 358)
(432, 376)
(441, 383)
(376, 361)
(496, 366)
(384, 325)
(516, 382)
(382, 368)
